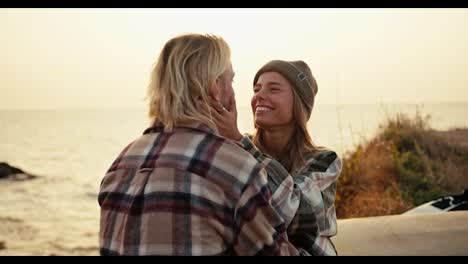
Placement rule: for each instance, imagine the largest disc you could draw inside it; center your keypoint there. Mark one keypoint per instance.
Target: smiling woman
(366, 61)
(284, 96)
(272, 84)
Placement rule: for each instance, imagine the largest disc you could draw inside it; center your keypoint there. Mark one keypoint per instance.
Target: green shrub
(414, 168)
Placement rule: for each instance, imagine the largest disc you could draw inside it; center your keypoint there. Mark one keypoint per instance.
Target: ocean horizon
(49, 140)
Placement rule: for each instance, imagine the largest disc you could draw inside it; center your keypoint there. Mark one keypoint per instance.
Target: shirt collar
(158, 127)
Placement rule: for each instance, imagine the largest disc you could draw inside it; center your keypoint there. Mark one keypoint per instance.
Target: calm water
(72, 149)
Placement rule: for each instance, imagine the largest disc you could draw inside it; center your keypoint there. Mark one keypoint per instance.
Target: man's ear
(215, 91)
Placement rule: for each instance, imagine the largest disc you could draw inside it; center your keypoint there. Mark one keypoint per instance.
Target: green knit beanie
(299, 75)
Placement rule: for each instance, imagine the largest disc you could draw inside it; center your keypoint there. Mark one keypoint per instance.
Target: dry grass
(368, 186)
(448, 151)
(406, 164)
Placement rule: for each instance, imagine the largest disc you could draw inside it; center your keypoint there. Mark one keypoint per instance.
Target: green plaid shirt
(314, 186)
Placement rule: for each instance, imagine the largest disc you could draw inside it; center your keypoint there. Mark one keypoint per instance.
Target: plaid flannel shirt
(188, 191)
(315, 186)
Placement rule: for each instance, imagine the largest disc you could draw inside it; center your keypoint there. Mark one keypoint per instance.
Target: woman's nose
(260, 95)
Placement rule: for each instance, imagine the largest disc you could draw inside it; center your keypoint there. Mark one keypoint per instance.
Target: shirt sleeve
(285, 195)
(305, 199)
(260, 230)
(317, 182)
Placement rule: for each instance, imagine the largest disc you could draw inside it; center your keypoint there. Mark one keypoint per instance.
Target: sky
(102, 58)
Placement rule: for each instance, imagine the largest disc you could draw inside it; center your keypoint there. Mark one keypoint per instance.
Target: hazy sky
(55, 58)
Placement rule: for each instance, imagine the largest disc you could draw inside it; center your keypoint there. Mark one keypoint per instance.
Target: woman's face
(272, 103)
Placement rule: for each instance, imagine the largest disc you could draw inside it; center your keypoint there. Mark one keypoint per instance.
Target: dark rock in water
(12, 173)
(6, 170)
(2, 245)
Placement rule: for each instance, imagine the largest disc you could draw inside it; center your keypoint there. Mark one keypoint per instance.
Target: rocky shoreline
(8, 172)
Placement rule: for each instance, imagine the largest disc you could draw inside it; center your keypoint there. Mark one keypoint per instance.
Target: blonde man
(181, 188)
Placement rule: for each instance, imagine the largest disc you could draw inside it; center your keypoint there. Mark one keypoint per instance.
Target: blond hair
(300, 144)
(185, 71)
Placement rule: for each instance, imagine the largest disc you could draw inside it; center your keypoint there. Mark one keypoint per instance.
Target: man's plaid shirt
(315, 186)
(188, 191)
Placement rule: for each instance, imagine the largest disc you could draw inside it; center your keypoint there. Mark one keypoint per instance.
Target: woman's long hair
(300, 144)
(181, 80)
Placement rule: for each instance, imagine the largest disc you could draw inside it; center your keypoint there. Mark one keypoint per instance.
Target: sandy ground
(435, 234)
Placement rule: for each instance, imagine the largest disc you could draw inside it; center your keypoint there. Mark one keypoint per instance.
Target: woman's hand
(226, 119)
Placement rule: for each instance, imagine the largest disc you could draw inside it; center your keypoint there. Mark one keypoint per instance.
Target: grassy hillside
(406, 164)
